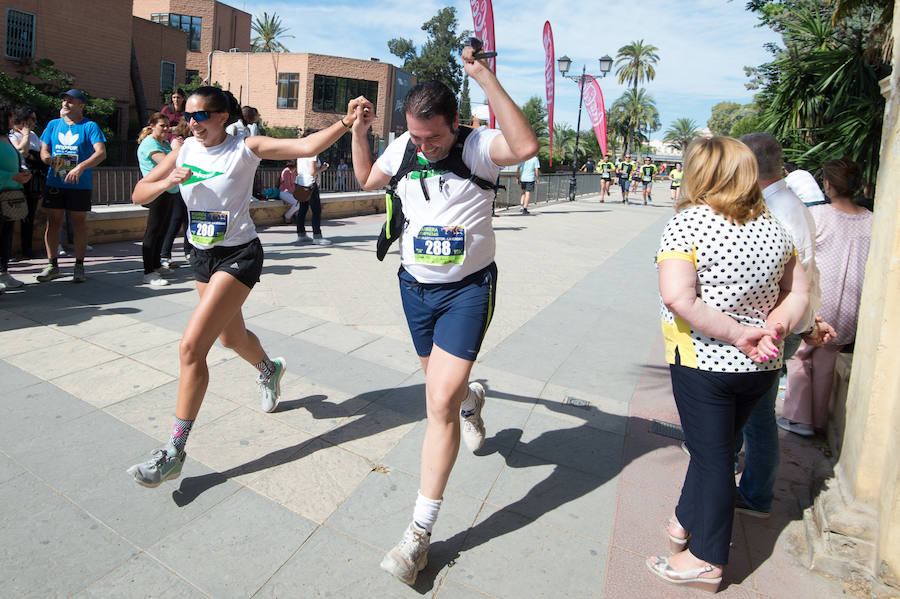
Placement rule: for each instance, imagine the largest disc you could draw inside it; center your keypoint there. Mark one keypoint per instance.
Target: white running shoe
(8, 282)
(409, 556)
(304, 239)
(472, 423)
(270, 388)
(319, 240)
(154, 280)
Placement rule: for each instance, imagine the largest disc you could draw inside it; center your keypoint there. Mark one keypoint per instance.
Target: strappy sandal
(677, 544)
(691, 578)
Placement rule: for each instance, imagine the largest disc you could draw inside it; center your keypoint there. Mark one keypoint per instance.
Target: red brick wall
(153, 43)
(252, 77)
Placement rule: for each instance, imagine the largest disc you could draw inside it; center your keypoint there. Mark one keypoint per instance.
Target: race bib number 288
(208, 228)
(440, 245)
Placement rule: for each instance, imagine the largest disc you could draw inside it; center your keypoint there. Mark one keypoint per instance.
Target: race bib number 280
(440, 245)
(208, 228)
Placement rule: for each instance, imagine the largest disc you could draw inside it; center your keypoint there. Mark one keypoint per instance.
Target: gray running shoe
(271, 387)
(49, 273)
(78, 275)
(473, 424)
(409, 556)
(164, 464)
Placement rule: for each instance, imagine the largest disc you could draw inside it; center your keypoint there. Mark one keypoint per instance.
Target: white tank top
(218, 194)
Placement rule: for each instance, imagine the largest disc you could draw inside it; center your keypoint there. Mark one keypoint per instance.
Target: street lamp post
(564, 64)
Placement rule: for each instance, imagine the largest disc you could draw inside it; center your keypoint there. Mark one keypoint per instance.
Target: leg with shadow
(302, 208)
(177, 220)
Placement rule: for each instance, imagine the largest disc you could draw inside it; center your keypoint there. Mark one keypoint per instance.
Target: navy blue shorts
(453, 316)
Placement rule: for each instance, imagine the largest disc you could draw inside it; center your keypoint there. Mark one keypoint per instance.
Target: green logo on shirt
(198, 174)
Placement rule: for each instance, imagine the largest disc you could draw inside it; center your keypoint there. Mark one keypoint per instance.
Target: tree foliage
(680, 133)
(723, 117)
(635, 114)
(536, 113)
(465, 102)
(269, 33)
(820, 95)
(38, 86)
(439, 56)
(636, 63)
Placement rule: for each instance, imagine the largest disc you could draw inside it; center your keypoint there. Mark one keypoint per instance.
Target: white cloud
(703, 44)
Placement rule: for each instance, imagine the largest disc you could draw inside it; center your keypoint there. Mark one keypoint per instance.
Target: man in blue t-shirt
(529, 175)
(71, 145)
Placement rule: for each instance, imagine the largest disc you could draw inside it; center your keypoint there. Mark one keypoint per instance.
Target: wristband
(345, 124)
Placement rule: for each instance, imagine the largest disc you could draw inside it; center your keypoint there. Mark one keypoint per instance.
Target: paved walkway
(566, 499)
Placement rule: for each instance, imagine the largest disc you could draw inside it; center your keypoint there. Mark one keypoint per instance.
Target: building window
(189, 75)
(166, 75)
(331, 94)
(19, 34)
(185, 22)
(288, 89)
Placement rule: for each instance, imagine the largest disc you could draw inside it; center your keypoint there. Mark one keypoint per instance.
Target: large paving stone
(141, 577)
(234, 548)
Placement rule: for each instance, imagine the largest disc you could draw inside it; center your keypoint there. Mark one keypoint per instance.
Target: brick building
(209, 25)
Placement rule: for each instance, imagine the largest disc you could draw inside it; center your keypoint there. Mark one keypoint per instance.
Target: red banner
(483, 17)
(549, 81)
(593, 102)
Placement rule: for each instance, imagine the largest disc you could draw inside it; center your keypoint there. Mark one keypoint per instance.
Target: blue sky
(703, 44)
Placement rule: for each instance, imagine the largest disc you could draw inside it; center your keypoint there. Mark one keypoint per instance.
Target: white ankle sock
(426, 512)
(468, 404)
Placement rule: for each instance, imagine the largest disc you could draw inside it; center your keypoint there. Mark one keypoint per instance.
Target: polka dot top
(739, 268)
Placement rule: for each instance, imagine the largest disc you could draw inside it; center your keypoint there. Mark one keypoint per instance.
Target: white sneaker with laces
(410, 556)
(472, 424)
(154, 280)
(321, 241)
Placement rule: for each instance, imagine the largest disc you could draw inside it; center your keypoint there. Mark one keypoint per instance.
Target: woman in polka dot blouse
(843, 231)
(730, 287)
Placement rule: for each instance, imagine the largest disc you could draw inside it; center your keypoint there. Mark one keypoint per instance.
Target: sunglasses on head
(199, 116)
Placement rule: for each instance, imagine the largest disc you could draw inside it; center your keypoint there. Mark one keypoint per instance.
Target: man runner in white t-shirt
(447, 274)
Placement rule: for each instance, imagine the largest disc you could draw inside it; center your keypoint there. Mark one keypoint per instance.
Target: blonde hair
(721, 172)
(154, 118)
(182, 130)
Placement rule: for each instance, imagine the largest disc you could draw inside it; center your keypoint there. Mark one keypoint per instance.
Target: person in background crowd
(529, 175)
(843, 234)
(308, 170)
(72, 145)
(648, 171)
(588, 166)
(174, 110)
(607, 167)
(722, 321)
(342, 169)
(29, 145)
(286, 185)
(215, 173)
(12, 177)
(179, 219)
(675, 177)
(152, 149)
(804, 185)
(247, 125)
(623, 170)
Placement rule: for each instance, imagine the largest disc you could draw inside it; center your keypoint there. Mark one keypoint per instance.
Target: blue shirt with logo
(71, 145)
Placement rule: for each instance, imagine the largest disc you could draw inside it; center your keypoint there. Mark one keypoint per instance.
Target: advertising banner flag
(483, 17)
(593, 102)
(549, 81)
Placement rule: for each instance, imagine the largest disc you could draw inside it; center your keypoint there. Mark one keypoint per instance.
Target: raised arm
(368, 176)
(163, 176)
(517, 142)
(285, 149)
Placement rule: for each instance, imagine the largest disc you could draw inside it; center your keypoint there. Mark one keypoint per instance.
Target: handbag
(12, 201)
(13, 205)
(302, 194)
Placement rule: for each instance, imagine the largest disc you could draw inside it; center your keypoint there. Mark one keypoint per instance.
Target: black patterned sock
(266, 368)
(180, 431)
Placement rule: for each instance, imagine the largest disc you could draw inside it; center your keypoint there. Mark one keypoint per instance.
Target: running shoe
(78, 276)
(154, 280)
(164, 270)
(798, 428)
(49, 273)
(169, 263)
(164, 464)
(304, 239)
(8, 282)
(270, 387)
(319, 240)
(473, 425)
(409, 556)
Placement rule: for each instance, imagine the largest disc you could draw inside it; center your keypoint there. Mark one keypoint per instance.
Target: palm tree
(269, 33)
(635, 112)
(636, 62)
(681, 133)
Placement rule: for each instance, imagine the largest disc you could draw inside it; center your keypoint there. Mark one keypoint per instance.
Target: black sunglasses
(199, 116)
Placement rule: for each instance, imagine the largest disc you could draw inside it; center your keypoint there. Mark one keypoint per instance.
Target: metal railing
(113, 185)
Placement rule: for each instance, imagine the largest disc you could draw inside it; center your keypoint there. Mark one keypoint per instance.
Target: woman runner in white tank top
(215, 172)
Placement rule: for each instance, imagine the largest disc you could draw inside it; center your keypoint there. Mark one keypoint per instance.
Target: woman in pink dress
(843, 231)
